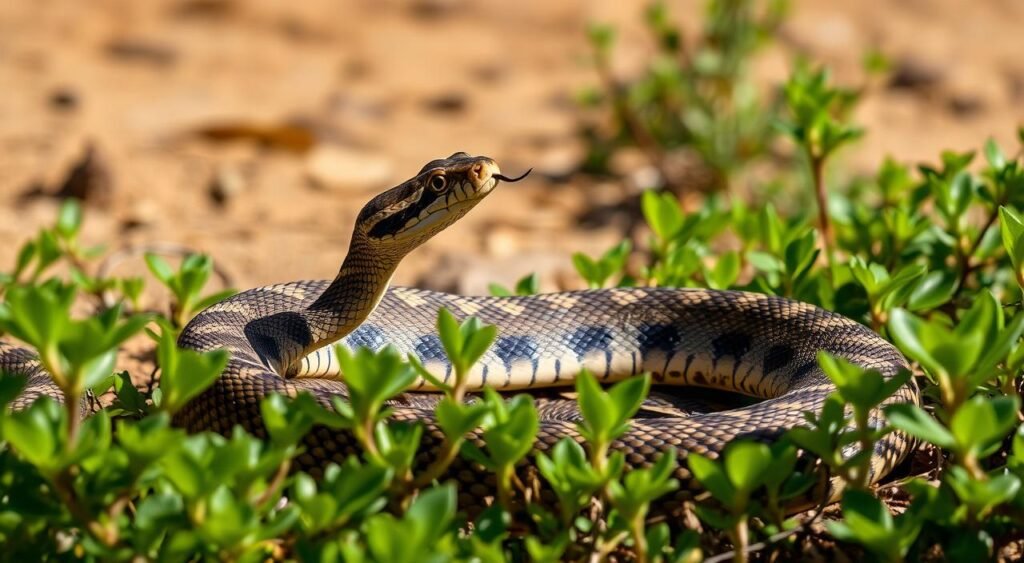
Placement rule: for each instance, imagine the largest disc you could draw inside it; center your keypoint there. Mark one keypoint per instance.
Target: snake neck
(352, 296)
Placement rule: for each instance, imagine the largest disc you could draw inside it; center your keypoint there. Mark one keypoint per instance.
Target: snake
(281, 340)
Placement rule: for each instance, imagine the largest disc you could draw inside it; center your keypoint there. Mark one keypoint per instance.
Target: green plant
(693, 95)
(527, 285)
(930, 257)
(868, 522)
(744, 468)
(186, 285)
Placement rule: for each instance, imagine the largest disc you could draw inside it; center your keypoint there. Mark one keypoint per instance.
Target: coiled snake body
(755, 345)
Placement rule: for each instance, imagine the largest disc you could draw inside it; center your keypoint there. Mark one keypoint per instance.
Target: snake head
(440, 194)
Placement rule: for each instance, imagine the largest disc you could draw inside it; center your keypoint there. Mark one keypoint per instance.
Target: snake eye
(438, 182)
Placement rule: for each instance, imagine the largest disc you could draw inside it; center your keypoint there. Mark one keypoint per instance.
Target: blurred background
(255, 130)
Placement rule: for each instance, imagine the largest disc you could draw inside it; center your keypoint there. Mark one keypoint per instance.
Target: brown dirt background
(375, 89)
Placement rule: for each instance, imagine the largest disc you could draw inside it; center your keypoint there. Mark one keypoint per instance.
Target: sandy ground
(353, 97)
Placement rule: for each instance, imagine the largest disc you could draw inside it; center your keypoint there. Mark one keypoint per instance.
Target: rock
(89, 179)
(142, 51)
(337, 168)
(965, 105)
(64, 99)
(449, 103)
(915, 75)
(142, 213)
(434, 8)
(203, 9)
(644, 178)
(626, 160)
(561, 162)
(226, 184)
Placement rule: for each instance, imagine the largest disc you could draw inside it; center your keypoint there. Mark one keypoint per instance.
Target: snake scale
(751, 344)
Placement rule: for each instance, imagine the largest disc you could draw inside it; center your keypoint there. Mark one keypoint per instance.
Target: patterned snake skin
(750, 344)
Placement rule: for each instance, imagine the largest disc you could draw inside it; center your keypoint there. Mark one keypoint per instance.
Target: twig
(65, 491)
(605, 548)
(772, 540)
(275, 483)
(818, 176)
(73, 406)
(966, 267)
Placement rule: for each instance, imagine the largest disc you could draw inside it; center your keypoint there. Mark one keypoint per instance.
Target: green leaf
(457, 419)
(982, 495)
(934, 290)
(185, 373)
(913, 420)
(464, 343)
(69, 218)
(434, 509)
(746, 464)
(373, 377)
(27, 253)
(38, 433)
(397, 442)
(662, 212)
(155, 514)
(477, 340)
(11, 386)
(998, 347)
(601, 36)
(994, 155)
(512, 435)
(981, 421)
(863, 388)
(595, 406)
(421, 529)
(725, 272)
(148, 440)
(640, 487)
(918, 339)
(1011, 227)
(498, 290)
(229, 518)
(627, 396)
(712, 477)
(528, 285)
(868, 522)
(286, 422)
(159, 267)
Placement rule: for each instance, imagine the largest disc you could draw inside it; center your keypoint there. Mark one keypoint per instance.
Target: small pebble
(451, 102)
(89, 179)
(225, 185)
(142, 51)
(914, 74)
(336, 168)
(64, 99)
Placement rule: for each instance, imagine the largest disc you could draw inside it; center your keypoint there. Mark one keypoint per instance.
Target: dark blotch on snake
(658, 337)
(366, 336)
(588, 338)
(734, 344)
(778, 356)
(804, 370)
(585, 339)
(428, 347)
(513, 348)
